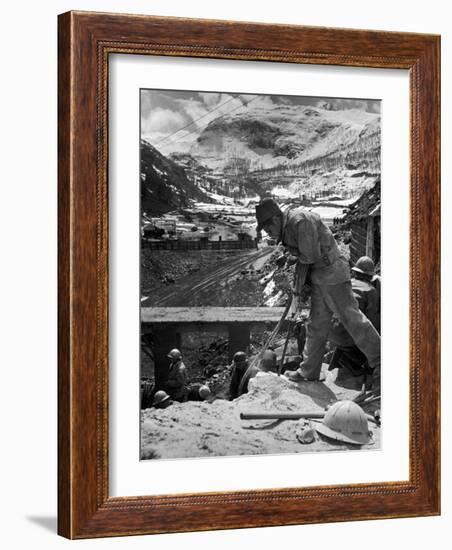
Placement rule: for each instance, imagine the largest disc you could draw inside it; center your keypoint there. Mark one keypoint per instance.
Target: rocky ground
(204, 429)
(163, 268)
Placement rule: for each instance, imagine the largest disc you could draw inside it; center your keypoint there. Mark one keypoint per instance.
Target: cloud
(193, 109)
(208, 107)
(341, 104)
(163, 121)
(210, 99)
(375, 106)
(264, 101)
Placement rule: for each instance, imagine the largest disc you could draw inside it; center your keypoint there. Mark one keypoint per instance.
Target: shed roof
(368, 204)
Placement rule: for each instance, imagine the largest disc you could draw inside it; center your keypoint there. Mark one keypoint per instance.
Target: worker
(175, 384)
(147, 393)
(365, 290)
(346, 353)
(199, 392)
(268, 362)
(305, 235)
(161, 400)
(239, 368)
(376, 282)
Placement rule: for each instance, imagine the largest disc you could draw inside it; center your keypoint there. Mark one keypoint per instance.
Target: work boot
(297, 376)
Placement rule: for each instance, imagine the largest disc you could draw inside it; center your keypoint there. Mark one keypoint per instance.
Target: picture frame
(86, 40)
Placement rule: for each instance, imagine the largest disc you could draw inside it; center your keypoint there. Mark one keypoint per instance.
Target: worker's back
(307, 237)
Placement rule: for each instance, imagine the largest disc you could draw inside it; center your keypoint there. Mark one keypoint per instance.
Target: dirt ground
(202, 278)
(196, 429)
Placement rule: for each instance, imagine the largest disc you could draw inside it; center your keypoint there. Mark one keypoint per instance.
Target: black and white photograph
(260, 275)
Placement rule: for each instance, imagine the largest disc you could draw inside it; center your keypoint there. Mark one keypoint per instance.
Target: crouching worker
(161, 400)
(239, 367)
(199, 392)
(176, 383)
(240, 375)
(268, 362)
(147, 393)
(305, 235)
(346, 353)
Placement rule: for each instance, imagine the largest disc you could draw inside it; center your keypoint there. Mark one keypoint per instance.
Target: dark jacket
(193, 392)
(367, 299)
(236, 378)
(175, 385)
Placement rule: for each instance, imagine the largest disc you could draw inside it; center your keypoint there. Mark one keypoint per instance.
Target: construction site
(225, 312)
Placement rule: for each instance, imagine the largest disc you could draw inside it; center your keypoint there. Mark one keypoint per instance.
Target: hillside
(164, 184)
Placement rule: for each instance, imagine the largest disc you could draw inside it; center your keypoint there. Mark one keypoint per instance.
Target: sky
(171, 120)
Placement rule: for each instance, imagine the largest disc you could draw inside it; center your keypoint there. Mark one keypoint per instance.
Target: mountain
(286, 134)
(164, 183)
(285, 150)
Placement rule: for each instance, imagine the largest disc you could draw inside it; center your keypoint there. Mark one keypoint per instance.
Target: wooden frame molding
(85, 42)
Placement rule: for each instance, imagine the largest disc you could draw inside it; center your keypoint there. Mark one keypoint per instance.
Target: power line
(193, 121)
(221, 116)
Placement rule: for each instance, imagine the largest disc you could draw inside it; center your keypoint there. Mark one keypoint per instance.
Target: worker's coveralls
(238, 373)
(308, 238)
(367, 298)
(175, 385)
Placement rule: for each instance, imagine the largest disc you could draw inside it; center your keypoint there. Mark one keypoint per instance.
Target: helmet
(204, 392)
(175, 354)
(239, 357)
(365, 265)
(159, 398)
(346, 421)
(265, 210)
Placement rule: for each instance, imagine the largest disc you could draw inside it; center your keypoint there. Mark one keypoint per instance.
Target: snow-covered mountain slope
(285, 134)
(164, 184)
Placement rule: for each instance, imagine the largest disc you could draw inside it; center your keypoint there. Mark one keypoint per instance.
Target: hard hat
(365, 265)
(239, 357)
(204, 392)
(265, 210)
(159, 398)
(346, 421)
(175, 354)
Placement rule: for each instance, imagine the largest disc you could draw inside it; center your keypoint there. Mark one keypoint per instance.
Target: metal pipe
(277, 415)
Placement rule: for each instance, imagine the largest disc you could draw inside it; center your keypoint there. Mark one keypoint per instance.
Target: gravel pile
(196, 429)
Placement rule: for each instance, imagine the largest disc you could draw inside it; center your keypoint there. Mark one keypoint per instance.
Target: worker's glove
(291, 260)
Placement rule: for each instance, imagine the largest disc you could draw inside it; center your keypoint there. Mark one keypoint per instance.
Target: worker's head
(240, 359)
(268, 362)
(364, 268)
(175, 355)
(204, 393)
(269, 217)
(161, 400)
